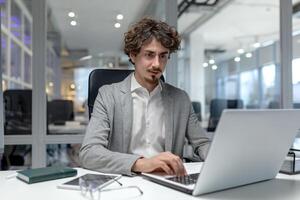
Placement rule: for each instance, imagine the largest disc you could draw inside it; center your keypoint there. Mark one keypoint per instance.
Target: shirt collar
(135, 85)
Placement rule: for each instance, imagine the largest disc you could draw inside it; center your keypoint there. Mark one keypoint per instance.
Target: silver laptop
(248, 146)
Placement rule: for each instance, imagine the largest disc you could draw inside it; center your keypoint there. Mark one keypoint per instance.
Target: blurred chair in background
(17, 105)
(197, 108)
(60, 111)
(273, 105)
(296, 105)
(216, 108)
(18, 113)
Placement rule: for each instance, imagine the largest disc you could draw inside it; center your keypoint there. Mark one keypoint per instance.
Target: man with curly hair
(141, 123)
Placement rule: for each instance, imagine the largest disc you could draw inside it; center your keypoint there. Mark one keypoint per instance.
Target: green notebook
(45, 174)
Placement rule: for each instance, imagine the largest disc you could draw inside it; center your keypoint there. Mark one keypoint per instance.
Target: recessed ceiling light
(214, 67)
(211, 61)
(85, 57)
(267, 43)
(72, 86)
(117, 25)
(237, 59)
(248, 55)
(73, 23)
(120, 17)
(205, 64)
(256, 45)
(241, 51)
(71, 14)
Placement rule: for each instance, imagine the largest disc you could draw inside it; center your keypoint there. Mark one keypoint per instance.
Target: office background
(242, 50)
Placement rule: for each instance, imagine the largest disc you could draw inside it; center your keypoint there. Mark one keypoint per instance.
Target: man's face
(150, 62)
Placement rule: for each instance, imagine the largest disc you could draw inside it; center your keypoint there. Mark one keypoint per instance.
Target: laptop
(249, 146)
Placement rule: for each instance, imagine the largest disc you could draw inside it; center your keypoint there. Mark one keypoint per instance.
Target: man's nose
(156, 61)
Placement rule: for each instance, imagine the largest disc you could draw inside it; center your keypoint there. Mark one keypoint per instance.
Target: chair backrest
(17, 104)
(100, 77)
(216, 108)
(197, 108)
(60, 110)
(274, 105)
(296, 105)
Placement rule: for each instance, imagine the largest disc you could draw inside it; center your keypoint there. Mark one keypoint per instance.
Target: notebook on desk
(249, 146)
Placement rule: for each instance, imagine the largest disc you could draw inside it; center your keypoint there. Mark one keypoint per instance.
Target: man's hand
(166, 161)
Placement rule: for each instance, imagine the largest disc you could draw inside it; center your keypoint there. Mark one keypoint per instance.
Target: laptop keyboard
(186, 180)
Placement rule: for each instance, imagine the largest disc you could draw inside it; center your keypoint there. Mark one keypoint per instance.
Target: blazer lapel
(168, 107)
(126, 107)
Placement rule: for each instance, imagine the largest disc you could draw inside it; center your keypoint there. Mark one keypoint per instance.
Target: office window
(249, 88)
(268, 84)
(296, 80)
(27, 33)
(15, 61)
(4, 85)
(4, 53)
(63, 154)
(231, 85)
(81, 90)
(3, 5)
(16, 20)
(220, 88)
(27, 68)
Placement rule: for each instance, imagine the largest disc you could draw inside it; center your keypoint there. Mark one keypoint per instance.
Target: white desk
(67, 129)
(282, 188)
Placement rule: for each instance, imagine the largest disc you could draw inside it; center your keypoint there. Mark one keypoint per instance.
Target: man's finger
(166, 168)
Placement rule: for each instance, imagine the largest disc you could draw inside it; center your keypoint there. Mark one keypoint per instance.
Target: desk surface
(283, 187)
(67, 129)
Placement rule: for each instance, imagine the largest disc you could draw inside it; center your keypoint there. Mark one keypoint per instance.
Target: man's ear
(132, 57)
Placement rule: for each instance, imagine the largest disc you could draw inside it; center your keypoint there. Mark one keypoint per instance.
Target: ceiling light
(71, 14)
(241, 51)
(237, 59)
(267, 43)
(205, 64)
(72, 86)
(110, 64)
(256, 45)
(51, 84)
(214, 67)
(120, 17)
(211, 61)
(117, 25)
(73, 23)
(85, 57)
(248, 55)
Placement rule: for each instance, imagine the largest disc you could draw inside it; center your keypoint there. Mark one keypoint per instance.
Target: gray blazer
(106, 142)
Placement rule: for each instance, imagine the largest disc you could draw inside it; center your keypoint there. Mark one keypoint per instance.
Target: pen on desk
(13, 175)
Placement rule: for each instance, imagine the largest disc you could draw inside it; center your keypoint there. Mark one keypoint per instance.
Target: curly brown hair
(145, 30)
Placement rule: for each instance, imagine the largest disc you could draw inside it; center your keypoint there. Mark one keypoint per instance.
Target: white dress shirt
(148, 125)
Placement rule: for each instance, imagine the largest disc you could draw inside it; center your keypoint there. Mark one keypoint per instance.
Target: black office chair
(273, 105)
(100, 77)
(296, 105)
(17, 113)
(17, 104)
(197, 108)
(60, 111)
(216, 108)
